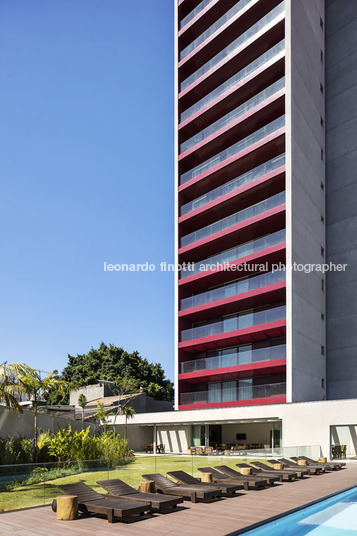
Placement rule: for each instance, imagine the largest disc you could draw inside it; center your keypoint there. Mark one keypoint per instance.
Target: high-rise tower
(250, 195)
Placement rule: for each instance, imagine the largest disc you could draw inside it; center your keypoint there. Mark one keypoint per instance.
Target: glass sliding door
(198, 435)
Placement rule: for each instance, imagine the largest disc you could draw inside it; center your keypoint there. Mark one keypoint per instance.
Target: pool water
(335, 516)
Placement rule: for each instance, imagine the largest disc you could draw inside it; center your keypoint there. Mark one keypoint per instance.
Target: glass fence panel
(234, 114)
(214, 27)
(235, 253)
(233, 359)
(29, 485)
(234, 46)
(234, 184)
(239, 321)
(234, 219)
(233, 149)
(235, 79)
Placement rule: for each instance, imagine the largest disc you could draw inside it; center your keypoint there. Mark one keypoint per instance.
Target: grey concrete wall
(14, 423)
(91, 392)
(341, 206)
(305, 199)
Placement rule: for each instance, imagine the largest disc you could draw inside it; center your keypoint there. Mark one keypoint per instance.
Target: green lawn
(43, 493)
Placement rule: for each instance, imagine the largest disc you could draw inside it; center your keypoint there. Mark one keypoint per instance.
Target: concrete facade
(305, 184)
(341, 190)
(303, 424)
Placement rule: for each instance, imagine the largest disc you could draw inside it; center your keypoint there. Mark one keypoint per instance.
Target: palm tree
(10, 388)
(102, 415)
(32, 383)
(128, 411)
(82, 402)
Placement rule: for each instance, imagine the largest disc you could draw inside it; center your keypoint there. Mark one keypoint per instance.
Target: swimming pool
(334, 516)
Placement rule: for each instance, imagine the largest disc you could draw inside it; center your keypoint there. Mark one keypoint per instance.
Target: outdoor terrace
(220, 518)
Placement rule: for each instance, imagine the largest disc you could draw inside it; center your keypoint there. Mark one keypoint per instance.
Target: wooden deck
(218, 518)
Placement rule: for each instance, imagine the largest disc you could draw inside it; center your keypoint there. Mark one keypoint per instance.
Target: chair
(199, 450)
(328, 466)
(343, 451)
(193, 493)
(232, 473)
(159, 502)
(292, 463)
(262, 469)
(188, 480)
(247, 481)
(91, 502)
(160, 449)
(315, 468)
(208, 450)
(293, 467)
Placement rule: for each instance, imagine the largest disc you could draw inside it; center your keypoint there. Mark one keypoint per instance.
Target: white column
(154, 439)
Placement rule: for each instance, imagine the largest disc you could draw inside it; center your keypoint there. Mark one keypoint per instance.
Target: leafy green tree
(108, 362)
(82, 402)
(34, 385)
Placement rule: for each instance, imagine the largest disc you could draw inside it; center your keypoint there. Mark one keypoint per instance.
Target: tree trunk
(126, 422)
(35, 429)
(82, 417)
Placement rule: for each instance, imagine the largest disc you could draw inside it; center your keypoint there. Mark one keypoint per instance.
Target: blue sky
(86, 176)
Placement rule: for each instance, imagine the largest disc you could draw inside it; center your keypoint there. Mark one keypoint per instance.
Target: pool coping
(288, 512)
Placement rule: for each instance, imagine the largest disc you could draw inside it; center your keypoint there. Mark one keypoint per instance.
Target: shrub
(15, 450)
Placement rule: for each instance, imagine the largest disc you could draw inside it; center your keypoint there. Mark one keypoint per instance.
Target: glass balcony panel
(207, 33)
(233, 149)
(214, 393)
(194, 12)
(235, 253)
(229, 391)
(234, 114)
(234, 184)
(239, 321)
(244, 390)
(243, 355)
(235, 45)
(234, 80)
(234, 219)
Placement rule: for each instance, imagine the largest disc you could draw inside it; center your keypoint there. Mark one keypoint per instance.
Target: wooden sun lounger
(232, 473)
(259, 472)
(315, 469)
(293, 466)
(332, 465)
(193, 493)
(288, 476)
(158, 501)
(188, 480)
(91, 502)
(300, 471)
(248, 482)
